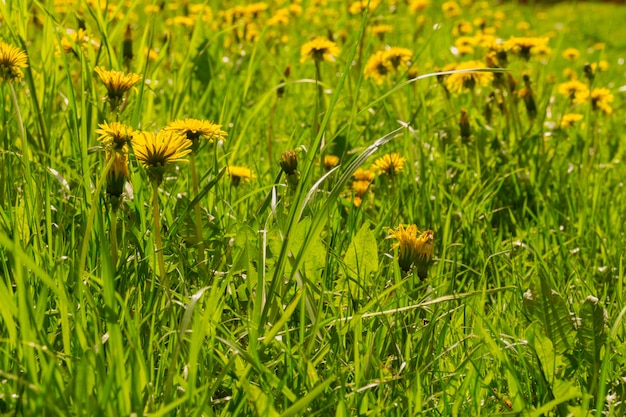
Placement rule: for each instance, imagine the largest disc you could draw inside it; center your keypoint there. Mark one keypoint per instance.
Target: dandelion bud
(424, 250)
(529, 101)
(588, 70)
(127, 47)
(116, 178)
(464, 125)
(289, 162)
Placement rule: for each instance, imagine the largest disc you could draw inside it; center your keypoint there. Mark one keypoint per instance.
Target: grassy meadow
(312, 207)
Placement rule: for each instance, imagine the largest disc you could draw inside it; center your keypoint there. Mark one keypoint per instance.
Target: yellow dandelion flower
(460, 81)
(238, 174)
(573, 89)
(192, 129)
(570, 54)
(364, 175)
(117, 175)
(360, 6)
(525, 46)
(569, 119)
(396, 57)
(406, 244)
(330, 161)
(117, 84)
(417, 6)
(375, 68)
(12, 60)
(155, 151)
(600, 66)
(115, 135)
(451, 9)
(462, 27)
(360, 187)
(522, 26)
(390, 164)
(600, 99)
(380, 30)
(319, 49)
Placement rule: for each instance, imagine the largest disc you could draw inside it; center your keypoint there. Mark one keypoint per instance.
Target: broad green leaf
(592, 332)
(361, 258)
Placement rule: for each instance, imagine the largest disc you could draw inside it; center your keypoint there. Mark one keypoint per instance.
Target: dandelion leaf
(361, 258)
(592, 332)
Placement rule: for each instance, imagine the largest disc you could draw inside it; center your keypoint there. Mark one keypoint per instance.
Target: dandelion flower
(451, 9)
(395, 57)
(155, 151)
(330, 161)
(573, 89)
(117, 175)
(380, 30)
(413, 249)
(600, 99)
(571, 54)
(364, 175)
(360, 187)
(193, 129)
(375, 68)
(460, 81)
(238, 174)
(319, 49)
(360, 6)
(569, 119)
(115, 135)
(390, 164)
(12, 60)
(117, 84)
(417, 6)
(525, 46)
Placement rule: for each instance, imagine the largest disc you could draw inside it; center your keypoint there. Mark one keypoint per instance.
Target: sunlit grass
(311, 208)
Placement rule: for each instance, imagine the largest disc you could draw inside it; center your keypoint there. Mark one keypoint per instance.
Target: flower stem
(199, 235)
(156, 213)
(114, 236)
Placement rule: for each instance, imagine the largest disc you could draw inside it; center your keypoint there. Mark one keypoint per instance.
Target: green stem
(199, 235)
(114, 236)
(156, 213)
(90, 218)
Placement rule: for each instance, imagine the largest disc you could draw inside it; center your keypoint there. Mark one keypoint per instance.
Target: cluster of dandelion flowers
(525, 46)
(117, 84)
(468, 79)
(155, 151)
(12, 60)
(193, 129)
(413, 249)
(115, 136)
(319, 49)
(390, 164)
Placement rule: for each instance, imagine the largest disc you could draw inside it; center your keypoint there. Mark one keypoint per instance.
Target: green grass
(293, 303)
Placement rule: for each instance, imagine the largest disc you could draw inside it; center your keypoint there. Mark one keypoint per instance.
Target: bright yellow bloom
(396, 57)
(330, 161)
(239, 173)
(571, 54)
(115, 135)
(525, 46)
(155, 151)
(319, 49)
(570, 119)
(600, 99)
(417, 6)
(380, 30)
(375, 68)
(451, 9)
(390, 164)
(364, 175)
(12, 60)
(192, 129)
(459, 81)
(462, 27)
(573, 89)
(360, 187)
(359, 6)
(413, 249)
(117, 84)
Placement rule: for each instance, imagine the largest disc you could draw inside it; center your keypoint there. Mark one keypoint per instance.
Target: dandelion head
(12, 60)
(571, 54)
(569, 119)
(319, 49)
(117, 84)
(155, 151)
(239, 174)
(390, 164)
(193, 129)
(468, 80)
(115, 136)
(330, 161)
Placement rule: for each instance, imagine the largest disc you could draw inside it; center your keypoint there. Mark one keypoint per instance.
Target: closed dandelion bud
(512, 83)
(588, 70)
(424, 253)
(116, 178)
(529, 101)
(289, 162)
(464, 125)
(502, 58)
(127, 47)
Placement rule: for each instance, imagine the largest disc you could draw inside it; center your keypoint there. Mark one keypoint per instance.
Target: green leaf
(592, 332)
(361, 258)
